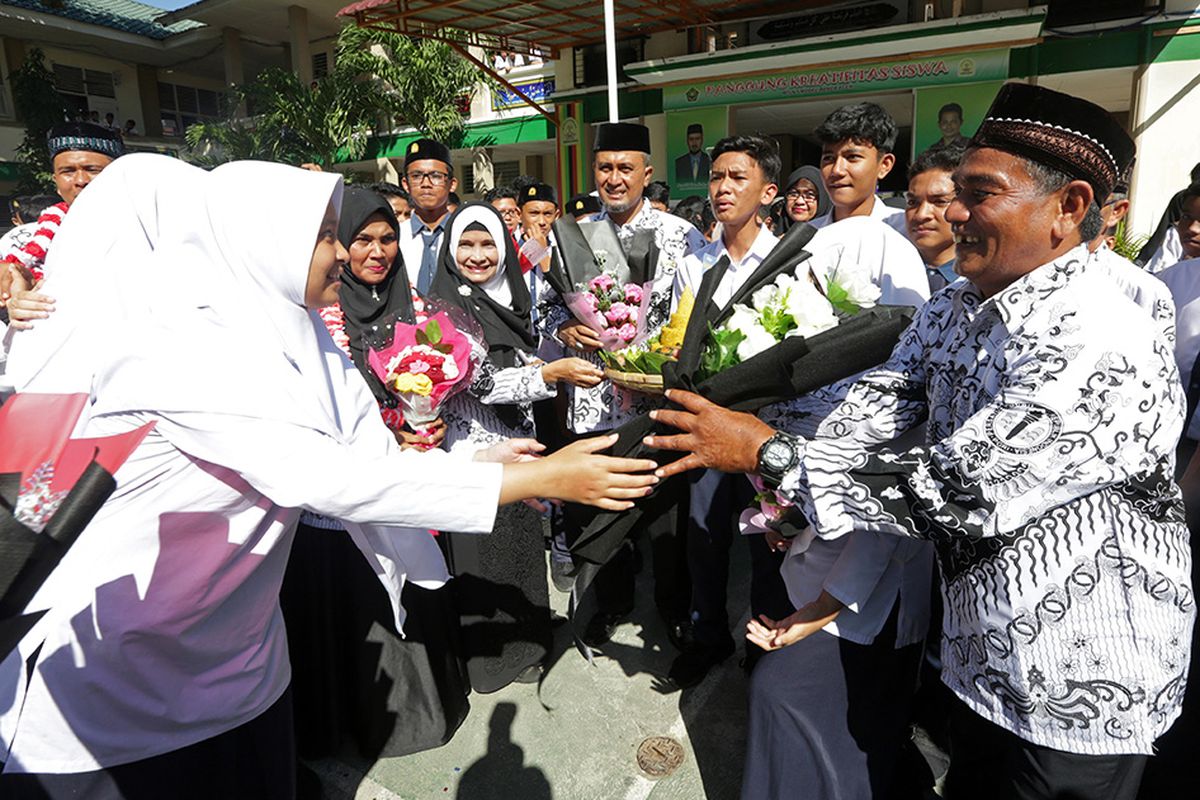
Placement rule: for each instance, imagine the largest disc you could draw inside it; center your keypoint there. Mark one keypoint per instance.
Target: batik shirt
(1046, 487)
(606, 406)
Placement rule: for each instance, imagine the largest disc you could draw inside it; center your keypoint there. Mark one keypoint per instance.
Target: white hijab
(496, 287)
(182, 291)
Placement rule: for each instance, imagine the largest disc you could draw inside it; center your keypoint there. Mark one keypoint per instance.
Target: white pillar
(298, 38)
(1163, 121)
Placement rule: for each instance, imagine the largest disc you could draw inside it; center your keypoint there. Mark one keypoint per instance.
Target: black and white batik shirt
(606, 406)
(1046, 486)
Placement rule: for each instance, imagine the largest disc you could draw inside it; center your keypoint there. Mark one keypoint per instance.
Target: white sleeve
(515, 385)
(371, 482)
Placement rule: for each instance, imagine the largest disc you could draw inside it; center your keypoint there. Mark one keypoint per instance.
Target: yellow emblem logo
(414, 147)
(532, 191)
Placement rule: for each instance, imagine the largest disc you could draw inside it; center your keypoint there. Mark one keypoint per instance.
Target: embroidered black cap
(84, 136)
(1067, 133)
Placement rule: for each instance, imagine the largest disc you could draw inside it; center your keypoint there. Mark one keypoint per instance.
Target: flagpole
(610, 47)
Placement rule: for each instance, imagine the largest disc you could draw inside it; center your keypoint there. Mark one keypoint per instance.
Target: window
(181, 106)
(320, 65)
(85, 82)
(591, 68)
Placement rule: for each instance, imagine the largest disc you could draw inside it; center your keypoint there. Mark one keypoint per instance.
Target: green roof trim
(629, 104)
(534, 128)
(931, 30)
(126, 16)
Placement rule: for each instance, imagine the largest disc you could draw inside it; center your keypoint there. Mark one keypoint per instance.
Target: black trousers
(989, 763)
(255, 761)
(717, 500)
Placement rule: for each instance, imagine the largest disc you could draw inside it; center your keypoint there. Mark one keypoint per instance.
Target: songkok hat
(536, 192)
(584, 204)
(695, 127)
(84, 136)
(622, 136)
(423, 149)
(1066, 133)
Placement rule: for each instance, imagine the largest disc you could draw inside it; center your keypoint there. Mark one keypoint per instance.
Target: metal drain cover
(659, 756)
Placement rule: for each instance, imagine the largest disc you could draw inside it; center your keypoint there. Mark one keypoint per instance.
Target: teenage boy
(537, 209)
(930, 193)
(504, 200)
(429, 180)
(744, 179)
(856, 153)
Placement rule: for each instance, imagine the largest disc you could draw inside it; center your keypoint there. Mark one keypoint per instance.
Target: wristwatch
(778, 455)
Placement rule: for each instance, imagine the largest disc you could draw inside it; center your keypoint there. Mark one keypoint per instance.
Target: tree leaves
(40, 107)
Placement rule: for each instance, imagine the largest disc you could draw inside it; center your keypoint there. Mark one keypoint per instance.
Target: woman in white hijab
(499, 581)
(182, 300)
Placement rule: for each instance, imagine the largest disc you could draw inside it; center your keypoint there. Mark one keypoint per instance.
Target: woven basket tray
(635, 381)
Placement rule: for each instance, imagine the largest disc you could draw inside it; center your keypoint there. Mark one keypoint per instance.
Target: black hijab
(506, 326)
(813, 175)
(363, 305)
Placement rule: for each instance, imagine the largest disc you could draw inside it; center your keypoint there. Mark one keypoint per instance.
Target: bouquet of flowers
(785, 332)
(604, 283)
(648, 357)
(790, 306)
(50, 488)
(425, 364)
(615, 310)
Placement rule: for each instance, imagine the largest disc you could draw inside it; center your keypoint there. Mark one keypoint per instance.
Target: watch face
(777, 455)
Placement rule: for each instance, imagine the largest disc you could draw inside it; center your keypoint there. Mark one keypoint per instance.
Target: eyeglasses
(510, 212)
(434, 178)
(810, 197)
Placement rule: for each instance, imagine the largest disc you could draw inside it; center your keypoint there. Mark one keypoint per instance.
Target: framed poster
(949, 113)
(690, 136)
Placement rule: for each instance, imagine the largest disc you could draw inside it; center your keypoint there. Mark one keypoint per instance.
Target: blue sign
(538, 91)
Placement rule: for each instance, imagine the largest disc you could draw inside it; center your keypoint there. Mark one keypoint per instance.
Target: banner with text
(985, 65)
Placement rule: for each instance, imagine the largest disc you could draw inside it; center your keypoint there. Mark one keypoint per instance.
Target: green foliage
(643, 359)
(378, 79)
(40, 107)
(292, 122)
(721, 352)
(1127, 244)
(420, 81)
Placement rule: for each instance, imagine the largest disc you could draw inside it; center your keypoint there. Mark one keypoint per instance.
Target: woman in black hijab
(804, 197)
(500, 580)
(353, 677)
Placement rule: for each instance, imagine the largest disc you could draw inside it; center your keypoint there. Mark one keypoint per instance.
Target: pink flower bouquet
(424, 365)
(616, 311)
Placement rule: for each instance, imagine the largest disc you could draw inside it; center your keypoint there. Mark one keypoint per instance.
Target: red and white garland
(32, 255)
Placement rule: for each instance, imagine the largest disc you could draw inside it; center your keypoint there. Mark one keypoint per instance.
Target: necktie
(428, 260)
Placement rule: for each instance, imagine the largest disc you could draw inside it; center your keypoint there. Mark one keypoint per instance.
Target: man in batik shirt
(1053, 406)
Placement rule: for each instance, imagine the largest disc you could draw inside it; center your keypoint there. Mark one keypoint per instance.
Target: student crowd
(994, 548)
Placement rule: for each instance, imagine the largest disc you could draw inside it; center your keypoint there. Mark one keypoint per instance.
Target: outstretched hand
(713, 437)
(770, 634)
(512, 451)
(581, 475)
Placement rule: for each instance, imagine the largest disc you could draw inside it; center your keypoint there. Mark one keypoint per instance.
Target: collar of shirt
(419, 227)
(638, 221)
(880, 211)
(764, 242)
(1017, 301)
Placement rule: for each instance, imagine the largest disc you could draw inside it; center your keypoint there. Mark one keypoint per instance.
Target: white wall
(1164, 121)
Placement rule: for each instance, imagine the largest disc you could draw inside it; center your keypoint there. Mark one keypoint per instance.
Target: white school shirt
(894, 264)
(165, 628)
(1053, 409)
(1183, 281)
(893, 217)
(1168, 253)
(691, 271)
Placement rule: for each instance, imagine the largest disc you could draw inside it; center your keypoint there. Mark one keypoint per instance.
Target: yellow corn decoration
(671, 335)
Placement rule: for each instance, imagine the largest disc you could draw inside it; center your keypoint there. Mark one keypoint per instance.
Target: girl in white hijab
(182, 300)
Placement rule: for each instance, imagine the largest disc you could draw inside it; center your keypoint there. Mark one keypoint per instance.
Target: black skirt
(502, 597)
(355, 680)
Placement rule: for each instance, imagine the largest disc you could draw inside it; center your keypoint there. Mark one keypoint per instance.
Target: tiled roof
(121, 15)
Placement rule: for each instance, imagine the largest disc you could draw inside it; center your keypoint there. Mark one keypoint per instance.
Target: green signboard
(984, 65)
